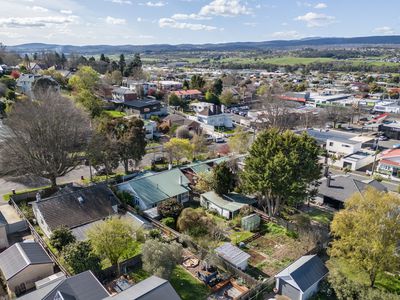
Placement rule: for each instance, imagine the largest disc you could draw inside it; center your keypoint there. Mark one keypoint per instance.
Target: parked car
(219, 140)
(383, 138)
(396, 146)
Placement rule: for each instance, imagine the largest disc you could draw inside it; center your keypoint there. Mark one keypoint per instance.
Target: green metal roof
(158, 187)
(231, 202)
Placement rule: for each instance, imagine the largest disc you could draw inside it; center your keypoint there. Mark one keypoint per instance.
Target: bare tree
(275, 112)
(46, 138)
(336, 114)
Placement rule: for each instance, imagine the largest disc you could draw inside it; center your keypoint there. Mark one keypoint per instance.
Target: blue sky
(119, 22)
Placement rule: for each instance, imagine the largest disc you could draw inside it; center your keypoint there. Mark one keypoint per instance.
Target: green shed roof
(231, 202)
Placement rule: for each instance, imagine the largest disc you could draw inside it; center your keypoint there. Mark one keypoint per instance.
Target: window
(331, 144)
(345, 146)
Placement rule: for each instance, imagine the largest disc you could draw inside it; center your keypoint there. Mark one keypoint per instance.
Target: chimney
(38, 197)
(180, 180)
(328, 181)
(169, 166)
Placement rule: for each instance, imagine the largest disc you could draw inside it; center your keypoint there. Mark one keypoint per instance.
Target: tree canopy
(223, 179)
(367, 233)
(61, 237)
(178, 149)
(46, 138)
(111, 239)
(280, 168)
(80, 257)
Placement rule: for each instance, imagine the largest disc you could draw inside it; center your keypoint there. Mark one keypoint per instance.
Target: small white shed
(233, 255)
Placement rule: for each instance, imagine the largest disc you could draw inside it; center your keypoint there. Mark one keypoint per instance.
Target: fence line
(39, 239)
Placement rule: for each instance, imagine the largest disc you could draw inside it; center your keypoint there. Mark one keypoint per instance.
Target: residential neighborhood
(211, 171)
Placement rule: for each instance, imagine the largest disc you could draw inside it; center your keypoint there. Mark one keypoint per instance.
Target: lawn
(282, 61)
(319, 215)
(239, 236)
(137, 274)
(6, 197)
(115, 113)
(188, 287)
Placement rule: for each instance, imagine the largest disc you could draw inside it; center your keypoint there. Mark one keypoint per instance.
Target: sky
(142, 22)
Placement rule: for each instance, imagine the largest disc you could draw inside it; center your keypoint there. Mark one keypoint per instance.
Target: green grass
(188, 287)
(284, 60)
(240, 236)
(6, 197)
(138, 274)
(274, 229)
(320, 216)
(115, 113)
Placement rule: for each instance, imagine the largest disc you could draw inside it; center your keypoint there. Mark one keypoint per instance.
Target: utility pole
(376, 154)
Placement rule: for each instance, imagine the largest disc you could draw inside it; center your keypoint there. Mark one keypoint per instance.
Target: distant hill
(234, 46)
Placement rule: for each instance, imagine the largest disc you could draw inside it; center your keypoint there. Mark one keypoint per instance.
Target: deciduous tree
(178, 149)
(240, 141)
(46, 138)
(367, 232)
(111, 239)
(169, 208)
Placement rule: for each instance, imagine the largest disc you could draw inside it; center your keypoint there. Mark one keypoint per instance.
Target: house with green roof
(149, 189)
(227, 206)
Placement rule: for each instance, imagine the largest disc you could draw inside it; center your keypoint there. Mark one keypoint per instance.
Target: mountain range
(393, 40)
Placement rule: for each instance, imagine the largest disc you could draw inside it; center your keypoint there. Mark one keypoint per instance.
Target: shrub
(80, 257)
(61, 237)
(155, 234)
(169, 221)
(169, 208)
(125, 197)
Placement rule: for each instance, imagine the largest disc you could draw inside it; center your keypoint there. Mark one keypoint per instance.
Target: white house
(214, 115)
(349, 152)
(300, 280)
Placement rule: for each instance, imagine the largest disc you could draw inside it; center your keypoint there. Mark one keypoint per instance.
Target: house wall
(342, 147)
(310, 291)
(211, 206)
(41, 221)
(30, 275)
(242, 265)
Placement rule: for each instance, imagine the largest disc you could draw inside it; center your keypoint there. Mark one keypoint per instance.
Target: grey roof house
(83, 286)
(73, 207)
(149, 188)
(152, 288)
(335, 190)
(23, 264)
(300, 280)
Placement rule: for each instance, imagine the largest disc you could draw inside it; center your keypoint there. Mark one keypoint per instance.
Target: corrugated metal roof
(20, 255)
(231, 202)
(304, 272)
(158, 187)
(232, 253)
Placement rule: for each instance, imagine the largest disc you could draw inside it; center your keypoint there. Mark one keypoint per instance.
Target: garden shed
(251, 222)
(233, 255)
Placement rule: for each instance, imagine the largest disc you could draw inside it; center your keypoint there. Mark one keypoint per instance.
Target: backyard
(274, 250)
(188, 287)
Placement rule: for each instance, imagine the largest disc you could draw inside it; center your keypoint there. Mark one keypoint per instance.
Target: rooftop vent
(81, 200)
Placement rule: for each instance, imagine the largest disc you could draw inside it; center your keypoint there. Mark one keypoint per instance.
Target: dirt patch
(256, 258)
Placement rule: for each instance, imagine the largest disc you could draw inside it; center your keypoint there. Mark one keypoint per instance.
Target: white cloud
(38, 9)
(384, 30)
(291, 34)
(115, 21)
(225, 8)
(316, 20)
(251, 24)
(37, 21)
(171, 23)
(66, 11)
(321, 5)
(155, 4)
(189, 17)
(122, 2)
